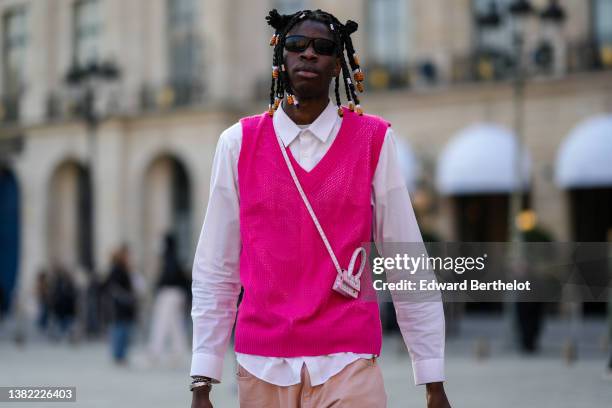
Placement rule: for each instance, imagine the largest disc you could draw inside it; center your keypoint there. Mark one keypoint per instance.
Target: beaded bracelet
(200, 378)
(195, 385)
(200, 381)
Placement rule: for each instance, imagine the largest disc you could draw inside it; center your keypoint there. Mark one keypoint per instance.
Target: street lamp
(521, 9)
(86, 82)
(519, 13)
(553, 13)
(491, 19)
(552, 18)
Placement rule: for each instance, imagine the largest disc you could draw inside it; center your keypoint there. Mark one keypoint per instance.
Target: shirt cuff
(428, 371)
(207, 365)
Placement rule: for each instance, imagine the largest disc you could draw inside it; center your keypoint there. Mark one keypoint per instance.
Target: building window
(291, 6)
(183, 48)
(602, 23)
(388, 32)
(13, 56)
(184, 52)
(87, 31)
(387, 40)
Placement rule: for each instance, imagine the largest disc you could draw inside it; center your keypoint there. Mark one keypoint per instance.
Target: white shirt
(216, 275)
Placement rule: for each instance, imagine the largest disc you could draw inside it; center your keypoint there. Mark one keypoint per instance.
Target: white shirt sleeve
(421, 322)
(215, 275)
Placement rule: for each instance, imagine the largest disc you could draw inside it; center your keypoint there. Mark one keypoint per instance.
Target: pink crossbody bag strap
(346, 283)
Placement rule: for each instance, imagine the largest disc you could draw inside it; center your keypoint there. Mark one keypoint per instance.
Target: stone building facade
(191, 68)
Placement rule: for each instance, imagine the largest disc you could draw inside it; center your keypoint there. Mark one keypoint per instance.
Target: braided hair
(282, 24)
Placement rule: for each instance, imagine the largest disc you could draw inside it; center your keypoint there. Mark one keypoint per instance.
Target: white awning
(407, 162)
(585, 157)
(481, 159)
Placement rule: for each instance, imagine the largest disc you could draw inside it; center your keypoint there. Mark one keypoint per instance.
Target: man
(608, 373)
(298, 342)
(120, 288)
(168, 342)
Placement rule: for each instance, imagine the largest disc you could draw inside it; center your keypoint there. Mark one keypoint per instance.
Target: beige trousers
(358, 385)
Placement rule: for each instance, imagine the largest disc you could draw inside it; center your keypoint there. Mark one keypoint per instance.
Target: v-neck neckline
(322, 162)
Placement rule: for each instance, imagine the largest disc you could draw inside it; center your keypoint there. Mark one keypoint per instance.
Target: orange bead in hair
(359, 76)
(359, 110)
(351, 106)
(273, 40)
(276, 103)
(359, 86)
(270, 110)
(340, 111)
(290, 99)
(356, 59)
(274, 72)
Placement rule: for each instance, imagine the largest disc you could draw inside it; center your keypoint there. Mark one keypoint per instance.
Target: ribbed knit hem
(319, 350)
(366, 338)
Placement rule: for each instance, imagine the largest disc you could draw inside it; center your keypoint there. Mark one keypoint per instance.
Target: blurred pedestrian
(43, 296)
(168, 342)
(120, 291)
(63, 301)
(609, 368)
(1, 302)
(92, 306)
(530, 314)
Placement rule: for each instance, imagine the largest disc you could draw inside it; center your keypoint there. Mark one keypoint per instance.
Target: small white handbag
(346, 283)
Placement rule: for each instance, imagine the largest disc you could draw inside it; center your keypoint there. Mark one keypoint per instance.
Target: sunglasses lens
(299, 43)
(324, 47)
(296, 43)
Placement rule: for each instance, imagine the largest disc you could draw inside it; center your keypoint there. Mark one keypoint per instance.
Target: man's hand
(201, 398)
(436, 397)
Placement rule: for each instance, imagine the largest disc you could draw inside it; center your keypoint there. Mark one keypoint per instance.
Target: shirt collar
(322, 126)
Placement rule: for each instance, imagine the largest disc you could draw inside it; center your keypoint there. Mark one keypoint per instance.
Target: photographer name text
(472, 284)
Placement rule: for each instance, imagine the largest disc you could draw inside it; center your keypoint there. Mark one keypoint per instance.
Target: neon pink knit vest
(289, 308)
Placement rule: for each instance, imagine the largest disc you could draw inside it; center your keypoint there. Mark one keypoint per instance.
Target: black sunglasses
(300, 43)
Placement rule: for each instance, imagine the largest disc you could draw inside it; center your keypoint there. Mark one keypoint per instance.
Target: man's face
(310, 74)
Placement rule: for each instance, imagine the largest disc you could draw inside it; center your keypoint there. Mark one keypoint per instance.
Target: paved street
(505, 379)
